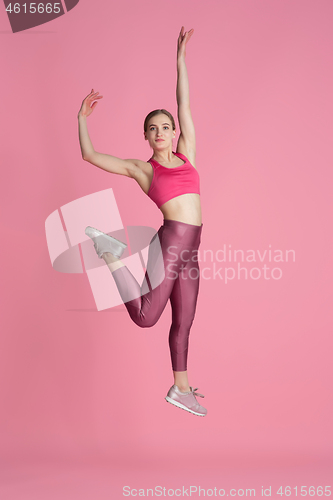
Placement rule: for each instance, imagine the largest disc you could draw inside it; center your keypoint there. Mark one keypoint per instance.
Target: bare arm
(186, 141)
(106, 162)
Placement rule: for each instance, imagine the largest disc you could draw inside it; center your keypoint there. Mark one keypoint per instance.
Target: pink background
(82, 392)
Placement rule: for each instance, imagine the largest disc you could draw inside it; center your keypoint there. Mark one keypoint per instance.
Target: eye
(166, 126)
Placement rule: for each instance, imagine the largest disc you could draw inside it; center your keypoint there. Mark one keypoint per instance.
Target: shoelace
(196, 393)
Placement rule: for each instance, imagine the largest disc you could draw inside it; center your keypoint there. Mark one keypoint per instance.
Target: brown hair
(158, 112)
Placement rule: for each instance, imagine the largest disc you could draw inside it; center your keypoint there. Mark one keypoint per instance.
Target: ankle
(109, 257)
(183, 388)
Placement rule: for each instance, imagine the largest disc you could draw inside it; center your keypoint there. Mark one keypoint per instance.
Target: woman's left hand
(182, 41)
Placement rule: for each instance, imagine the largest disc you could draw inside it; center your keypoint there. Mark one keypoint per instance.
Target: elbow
(88, 156)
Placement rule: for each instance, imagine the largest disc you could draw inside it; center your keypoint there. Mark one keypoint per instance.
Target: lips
(159, 140)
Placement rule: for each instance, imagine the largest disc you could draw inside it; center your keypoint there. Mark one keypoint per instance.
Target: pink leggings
(172, 272)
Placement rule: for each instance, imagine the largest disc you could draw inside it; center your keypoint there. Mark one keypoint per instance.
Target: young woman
(171, 180)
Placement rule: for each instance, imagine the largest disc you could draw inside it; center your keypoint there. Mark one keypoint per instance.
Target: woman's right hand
(87, 106)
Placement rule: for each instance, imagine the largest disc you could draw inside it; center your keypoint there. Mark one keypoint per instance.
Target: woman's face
(159, 132)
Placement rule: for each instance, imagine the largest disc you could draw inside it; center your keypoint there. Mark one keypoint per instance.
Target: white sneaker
(186, 400)
(105, 243)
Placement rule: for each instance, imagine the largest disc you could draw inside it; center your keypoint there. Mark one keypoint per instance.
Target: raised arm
(106, 162)
(186, 142)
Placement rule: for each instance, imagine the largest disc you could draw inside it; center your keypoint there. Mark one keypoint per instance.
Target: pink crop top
(168, 183)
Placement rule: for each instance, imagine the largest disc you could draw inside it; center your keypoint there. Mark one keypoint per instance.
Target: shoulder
(142, 165)
(142, 172)
(190, 155)
(140, 168)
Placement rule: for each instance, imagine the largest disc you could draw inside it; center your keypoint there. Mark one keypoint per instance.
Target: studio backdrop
(83, 387)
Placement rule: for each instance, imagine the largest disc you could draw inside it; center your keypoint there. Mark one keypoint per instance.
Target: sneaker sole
(182, 407)
(111, 238)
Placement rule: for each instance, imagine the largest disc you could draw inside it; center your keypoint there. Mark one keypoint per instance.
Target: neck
(165, 156)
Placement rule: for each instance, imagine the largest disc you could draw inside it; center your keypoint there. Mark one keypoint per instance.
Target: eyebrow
(153, 124)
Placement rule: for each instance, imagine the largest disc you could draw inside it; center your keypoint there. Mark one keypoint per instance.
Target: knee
(140, 318)
(146, 321)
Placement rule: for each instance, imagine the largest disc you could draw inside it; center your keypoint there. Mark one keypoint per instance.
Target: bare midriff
(184, 208)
